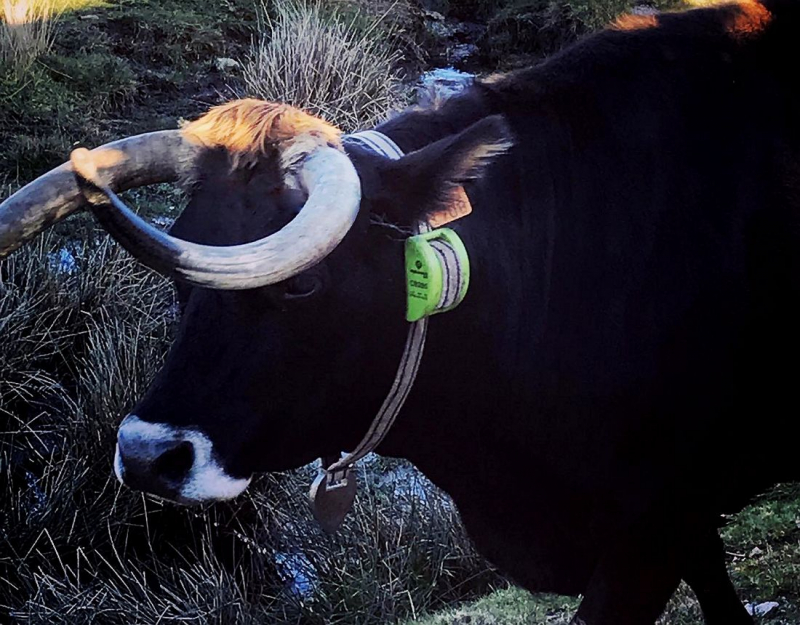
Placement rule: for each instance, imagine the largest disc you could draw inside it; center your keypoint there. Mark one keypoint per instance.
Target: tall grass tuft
(328, 62)
(83, 328)
(26, 33)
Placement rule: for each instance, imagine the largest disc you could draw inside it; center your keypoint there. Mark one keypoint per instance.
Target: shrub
(26, 33)
(314, 57)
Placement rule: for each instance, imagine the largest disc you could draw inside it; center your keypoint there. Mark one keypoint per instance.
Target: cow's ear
(427, 183)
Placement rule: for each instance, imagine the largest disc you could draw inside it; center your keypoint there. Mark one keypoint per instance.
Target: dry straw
(26, 32)
(334, 65)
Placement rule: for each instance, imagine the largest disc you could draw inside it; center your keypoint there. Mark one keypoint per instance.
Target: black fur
(633, 319)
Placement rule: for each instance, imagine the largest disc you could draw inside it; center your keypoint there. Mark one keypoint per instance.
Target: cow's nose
(153, 457)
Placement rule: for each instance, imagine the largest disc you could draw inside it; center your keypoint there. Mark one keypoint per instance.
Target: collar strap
(337, 473)
(375, 142)
(437, 276)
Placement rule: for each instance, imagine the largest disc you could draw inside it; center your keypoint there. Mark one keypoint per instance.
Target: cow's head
(287, 345)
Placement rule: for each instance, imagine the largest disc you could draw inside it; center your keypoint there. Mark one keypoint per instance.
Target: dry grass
(316, 58)
(82, 330)
(27, 30)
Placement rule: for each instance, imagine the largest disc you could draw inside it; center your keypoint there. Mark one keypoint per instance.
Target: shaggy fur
(250, 129)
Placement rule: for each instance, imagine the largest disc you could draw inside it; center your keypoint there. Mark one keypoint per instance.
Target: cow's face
(269, 378)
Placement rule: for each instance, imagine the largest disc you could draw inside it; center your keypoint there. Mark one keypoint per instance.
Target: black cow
(633, 316)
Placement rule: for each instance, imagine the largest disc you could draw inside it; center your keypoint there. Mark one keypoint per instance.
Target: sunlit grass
(354, 81)
(76, 5)
(26, 32)
(704, 3)
(56, 6)
(27, 29)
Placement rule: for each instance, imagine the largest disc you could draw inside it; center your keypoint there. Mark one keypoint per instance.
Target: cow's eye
(303, 286)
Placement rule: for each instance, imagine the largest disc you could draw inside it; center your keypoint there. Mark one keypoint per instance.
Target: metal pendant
(331, 504)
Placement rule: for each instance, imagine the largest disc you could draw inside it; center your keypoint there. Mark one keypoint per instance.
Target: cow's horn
(334, 196)
(136, 161)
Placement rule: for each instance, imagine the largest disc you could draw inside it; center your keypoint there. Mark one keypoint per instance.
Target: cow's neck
(473, 351)
(417, 128)
(471, 354)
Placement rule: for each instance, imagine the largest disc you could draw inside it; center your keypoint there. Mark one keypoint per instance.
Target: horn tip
(83, 164)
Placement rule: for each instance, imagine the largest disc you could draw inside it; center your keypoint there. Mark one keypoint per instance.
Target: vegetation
(354, 81)
(26, 32)
(131, 66)
(521, 30)
(592, 14)
(763, 546)
(83, 328)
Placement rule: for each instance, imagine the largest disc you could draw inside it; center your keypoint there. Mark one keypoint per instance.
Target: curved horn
(334, 197)
(132, 162)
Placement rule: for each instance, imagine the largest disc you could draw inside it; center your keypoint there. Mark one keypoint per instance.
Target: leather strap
(412, 354)
(376, 142)
(337, 472)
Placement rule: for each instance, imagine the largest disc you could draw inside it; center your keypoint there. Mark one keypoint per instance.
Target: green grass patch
(763, 546)
(507, 606)
(596, 15)
(117, 69)
(520, 32)
(521, 29)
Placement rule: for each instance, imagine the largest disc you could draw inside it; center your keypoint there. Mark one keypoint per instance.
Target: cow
(632, 315)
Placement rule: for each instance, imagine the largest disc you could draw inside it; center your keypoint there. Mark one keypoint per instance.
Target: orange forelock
(249, 128)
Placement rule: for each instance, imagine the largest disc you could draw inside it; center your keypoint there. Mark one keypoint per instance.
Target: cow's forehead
(250, 129)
